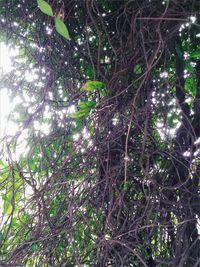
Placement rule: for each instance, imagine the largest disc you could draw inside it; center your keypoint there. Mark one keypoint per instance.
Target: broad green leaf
(195, 54)
(61, 28)
(91, 86)
(45, 7)
(79, 114)
(87, 104)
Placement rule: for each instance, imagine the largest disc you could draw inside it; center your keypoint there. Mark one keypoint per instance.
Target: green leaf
(1, 236)
(190, 85)
(7, 203)
(195, 54)
(126, 185)
(86, 104)
(61, 28)
(45, 7)
(138, 69)
(91, 86)
(188, 66)
(173, 120)
(35, 247)
(79, 114)
(89, 71)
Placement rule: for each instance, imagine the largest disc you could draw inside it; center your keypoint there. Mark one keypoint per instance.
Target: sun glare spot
(76, 137)
(42, 127)
(71, 109)
(197, 141)
(193, 19)
(8, 111)
(5, 59)
(164, 74)
(5, 108)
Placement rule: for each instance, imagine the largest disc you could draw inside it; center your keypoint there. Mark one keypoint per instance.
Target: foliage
(45, 7)
(103, 167)
(59, 24)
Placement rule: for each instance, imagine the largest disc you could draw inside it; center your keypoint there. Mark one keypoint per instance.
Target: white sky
(5, 66)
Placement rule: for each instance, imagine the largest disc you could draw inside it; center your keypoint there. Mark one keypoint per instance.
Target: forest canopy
(100, 152)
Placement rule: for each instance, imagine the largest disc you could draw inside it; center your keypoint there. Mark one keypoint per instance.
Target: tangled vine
(111, 122)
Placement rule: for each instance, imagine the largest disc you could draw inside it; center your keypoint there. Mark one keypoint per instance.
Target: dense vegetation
(103, 168)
